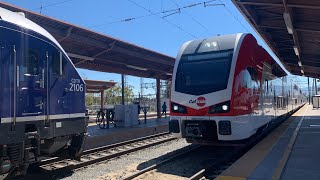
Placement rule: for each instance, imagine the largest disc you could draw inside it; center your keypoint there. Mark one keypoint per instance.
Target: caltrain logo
(200, 101)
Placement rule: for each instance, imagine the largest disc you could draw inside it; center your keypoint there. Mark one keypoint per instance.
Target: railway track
(96, 155)
(184, 164)
(213, 172)
(174, 157)
(206, 162)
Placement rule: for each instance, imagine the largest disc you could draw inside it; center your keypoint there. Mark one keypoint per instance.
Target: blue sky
(164, 35)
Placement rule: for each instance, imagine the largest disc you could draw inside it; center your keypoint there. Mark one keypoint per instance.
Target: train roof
(20, 20)
(223, 42)
(226, 42)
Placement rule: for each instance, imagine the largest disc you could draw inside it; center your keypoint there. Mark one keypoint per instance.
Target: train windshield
(203, 73)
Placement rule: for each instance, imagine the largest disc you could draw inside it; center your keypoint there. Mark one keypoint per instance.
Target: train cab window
(31, 62)
(57, 63)
(204, 72)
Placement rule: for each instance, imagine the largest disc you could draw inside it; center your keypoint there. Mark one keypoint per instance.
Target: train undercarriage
(36, 142)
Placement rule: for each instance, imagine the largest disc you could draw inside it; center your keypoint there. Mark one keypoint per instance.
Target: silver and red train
(227, 88)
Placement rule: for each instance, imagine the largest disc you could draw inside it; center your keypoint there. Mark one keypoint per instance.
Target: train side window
(254, 77)
(31, 62)
(253, 73)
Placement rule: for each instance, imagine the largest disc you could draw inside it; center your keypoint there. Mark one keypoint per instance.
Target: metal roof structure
(95, 51)
(94, 86)
(291, 28)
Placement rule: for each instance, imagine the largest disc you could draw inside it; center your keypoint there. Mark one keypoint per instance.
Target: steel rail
(96, 155)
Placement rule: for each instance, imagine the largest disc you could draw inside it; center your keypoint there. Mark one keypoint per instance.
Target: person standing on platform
(164, 109)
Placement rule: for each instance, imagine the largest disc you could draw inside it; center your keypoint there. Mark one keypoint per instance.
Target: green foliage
(112, 96)
(92, 100)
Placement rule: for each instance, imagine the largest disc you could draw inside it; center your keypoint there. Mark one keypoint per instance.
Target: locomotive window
(31, 62)
(57, 63)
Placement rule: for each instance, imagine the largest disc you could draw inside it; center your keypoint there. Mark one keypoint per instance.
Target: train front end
(201, 104)
(42, 97)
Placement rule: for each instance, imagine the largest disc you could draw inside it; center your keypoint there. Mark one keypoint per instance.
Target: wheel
(100, 117)
(103, 123)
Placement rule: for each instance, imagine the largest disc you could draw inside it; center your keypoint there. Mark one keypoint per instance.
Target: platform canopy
(94, 86)
(291, 28)
(99, 52)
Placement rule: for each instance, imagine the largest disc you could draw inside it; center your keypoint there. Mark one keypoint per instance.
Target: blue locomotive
(42, 96)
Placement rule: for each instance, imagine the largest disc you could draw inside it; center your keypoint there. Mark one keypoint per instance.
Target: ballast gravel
(125, 165)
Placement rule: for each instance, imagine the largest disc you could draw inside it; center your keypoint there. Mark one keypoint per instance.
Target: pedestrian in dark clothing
(164, 109)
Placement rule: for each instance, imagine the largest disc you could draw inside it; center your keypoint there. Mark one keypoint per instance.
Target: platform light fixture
(137, 68)
(302, 71)
(299, 63)
(296, 50)
(287, 20)
(78, 56)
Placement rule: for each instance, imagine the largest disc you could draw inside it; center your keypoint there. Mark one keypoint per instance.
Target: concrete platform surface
(100, 137)
(291, 151)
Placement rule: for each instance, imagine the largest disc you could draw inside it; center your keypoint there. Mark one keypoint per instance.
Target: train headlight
(225, 107)
(177, 108)
(211, 44)
(220, 108)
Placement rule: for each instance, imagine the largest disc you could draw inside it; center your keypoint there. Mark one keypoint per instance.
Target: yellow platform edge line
(272, 138)
(278, 172)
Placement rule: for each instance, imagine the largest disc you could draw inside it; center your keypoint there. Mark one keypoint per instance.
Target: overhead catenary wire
(173, 11)
(42, 4)
(49, 5)
(172, 24)
(194, 19)
(234, 16)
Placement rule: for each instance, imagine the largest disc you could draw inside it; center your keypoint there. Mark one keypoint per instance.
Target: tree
(113, 95)
(91, 99)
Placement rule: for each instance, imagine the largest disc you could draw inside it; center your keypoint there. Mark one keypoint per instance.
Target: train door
(32, 77)
(7, 76)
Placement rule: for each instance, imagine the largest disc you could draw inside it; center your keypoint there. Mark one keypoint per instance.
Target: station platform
(150, 115)
(291, 151)
(100, 137)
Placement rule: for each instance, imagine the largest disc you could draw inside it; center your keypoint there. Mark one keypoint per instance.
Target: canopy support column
(309, 89)
(122, 89)
(102, 99)
(315, 85)
(158, 99)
